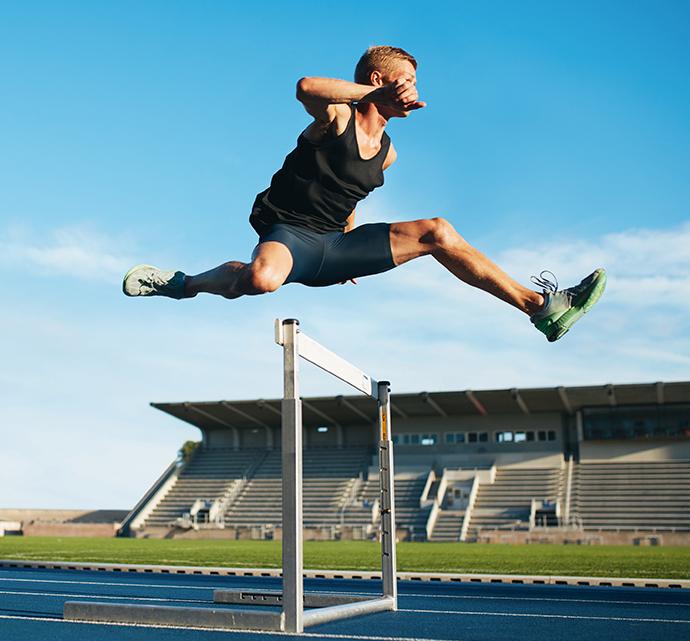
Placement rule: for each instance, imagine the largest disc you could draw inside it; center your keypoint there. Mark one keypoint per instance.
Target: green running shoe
(146, 280)
(562, 309)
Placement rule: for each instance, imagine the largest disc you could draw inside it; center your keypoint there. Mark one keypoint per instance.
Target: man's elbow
(304, 86)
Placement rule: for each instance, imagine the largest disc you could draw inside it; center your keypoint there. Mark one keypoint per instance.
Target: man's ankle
(188, 288)
(535, 303)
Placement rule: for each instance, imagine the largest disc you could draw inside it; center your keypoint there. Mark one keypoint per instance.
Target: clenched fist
(400, 94)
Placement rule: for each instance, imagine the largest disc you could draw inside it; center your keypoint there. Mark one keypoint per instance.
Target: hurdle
(292, 600)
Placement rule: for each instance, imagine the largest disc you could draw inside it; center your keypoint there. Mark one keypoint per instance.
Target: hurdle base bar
(345, 611)
(336, 607)
(275, 598)
(174, 616)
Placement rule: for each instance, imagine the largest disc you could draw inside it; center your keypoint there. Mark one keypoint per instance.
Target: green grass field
(570, 560)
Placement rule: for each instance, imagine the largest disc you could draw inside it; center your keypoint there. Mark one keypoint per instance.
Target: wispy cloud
(647, 267)
(73, 251)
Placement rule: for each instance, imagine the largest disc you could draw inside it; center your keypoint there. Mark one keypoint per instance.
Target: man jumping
(306, 218)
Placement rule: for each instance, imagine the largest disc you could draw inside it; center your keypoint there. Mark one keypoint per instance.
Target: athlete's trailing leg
(270, 266)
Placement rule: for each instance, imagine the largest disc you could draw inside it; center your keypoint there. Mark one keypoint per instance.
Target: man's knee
(264, 278)
(439, 232)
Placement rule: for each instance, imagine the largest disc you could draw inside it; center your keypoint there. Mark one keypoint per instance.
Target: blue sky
(557, 137)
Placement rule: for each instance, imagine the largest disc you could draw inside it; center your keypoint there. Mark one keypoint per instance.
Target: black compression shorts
(326, 259)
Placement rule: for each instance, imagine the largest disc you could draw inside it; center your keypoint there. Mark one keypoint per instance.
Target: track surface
(31, 603)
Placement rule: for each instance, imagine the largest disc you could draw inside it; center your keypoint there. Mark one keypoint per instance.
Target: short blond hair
(379, 58)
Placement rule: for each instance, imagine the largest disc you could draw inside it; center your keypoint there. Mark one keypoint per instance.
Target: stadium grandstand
(591, 464)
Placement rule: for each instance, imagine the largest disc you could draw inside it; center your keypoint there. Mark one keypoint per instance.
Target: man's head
(383, 64)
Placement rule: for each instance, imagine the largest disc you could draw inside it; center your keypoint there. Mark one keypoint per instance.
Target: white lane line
(117, 584)
(536, 598)
(400, 595)
(549, 616)
(62, 595)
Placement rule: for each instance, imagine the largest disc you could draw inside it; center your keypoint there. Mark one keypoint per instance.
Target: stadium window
(530, 436)
(450, 437)
(322, 429)
(520, 437)
(504, 437)
(640, 422)
(429, 439)
(414, 439)
(460, 437)
(541, 435)
(551, 435)
(472, 437)
(673, 421)
(406, 439)
(395, 439)
(483, 437)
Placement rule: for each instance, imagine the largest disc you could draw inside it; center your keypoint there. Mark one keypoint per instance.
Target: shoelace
(155, 279)
(547, 284)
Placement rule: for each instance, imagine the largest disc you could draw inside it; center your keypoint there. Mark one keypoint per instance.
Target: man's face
(400, 70)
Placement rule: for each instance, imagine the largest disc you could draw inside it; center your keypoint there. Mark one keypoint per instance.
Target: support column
(387, 498)
(293, 587)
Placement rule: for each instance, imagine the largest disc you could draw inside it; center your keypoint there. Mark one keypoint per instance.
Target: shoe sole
(129, 273)
(575, 313)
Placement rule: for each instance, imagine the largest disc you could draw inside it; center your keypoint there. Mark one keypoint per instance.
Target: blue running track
(31, 603)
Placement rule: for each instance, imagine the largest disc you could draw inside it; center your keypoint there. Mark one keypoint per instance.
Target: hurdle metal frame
(325, 607)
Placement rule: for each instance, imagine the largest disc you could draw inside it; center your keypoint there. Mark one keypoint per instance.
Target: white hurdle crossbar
(325, 607)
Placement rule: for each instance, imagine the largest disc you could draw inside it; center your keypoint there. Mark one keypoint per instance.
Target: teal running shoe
(146, 280)
(562, 309)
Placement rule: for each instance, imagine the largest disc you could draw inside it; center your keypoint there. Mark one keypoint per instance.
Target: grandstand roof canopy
(344, 410)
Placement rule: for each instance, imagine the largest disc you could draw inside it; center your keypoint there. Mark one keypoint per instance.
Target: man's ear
(376, 78)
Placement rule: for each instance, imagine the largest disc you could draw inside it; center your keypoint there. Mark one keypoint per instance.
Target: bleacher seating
(448, 525)
(408, 515)
(632, 496)
(506, 503)
(210, 474)
(328, 478)
(650, 496)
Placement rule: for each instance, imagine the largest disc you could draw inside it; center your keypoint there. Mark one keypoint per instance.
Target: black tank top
(320, 184)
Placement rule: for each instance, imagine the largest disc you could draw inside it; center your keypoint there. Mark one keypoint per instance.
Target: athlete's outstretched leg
(269, 268)
(438, 238)
(552, 312)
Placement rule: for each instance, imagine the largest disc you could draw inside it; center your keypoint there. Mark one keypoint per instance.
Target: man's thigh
(305, 249)
(364, 251)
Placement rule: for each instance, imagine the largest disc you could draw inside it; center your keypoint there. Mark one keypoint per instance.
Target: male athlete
(306, 218)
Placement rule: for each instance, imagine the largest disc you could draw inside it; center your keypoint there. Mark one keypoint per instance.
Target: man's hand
(400, 94)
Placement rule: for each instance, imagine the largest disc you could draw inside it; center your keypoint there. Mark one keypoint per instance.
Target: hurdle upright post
(291, 438)
(387, 495)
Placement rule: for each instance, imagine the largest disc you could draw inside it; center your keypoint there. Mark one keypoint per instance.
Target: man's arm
(324, 98)
(331, 91)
